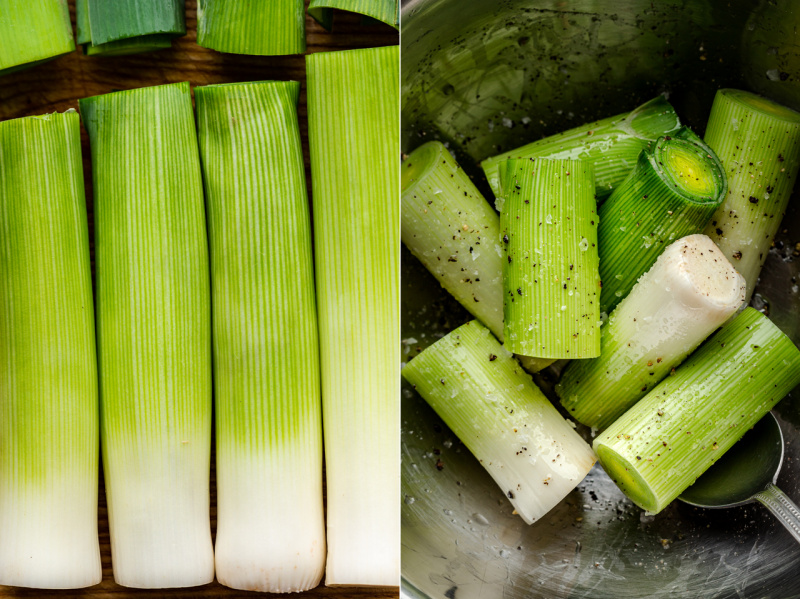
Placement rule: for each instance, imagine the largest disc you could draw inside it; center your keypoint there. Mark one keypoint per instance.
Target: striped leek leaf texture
(387, 11)
(272, 27)
(153, 334)
(270, 525)
(32, 32)
(49, 438)
(354, 136)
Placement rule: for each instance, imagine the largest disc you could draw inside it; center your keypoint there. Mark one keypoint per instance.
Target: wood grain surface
(57, 86)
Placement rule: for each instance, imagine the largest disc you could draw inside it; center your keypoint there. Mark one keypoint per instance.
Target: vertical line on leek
(33, 31)
(354, 133)
(386, 11)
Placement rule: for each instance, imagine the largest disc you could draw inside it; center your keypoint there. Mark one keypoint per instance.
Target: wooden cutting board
(57, 86)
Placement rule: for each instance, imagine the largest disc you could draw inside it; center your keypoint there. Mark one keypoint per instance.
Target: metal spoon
(747, 473)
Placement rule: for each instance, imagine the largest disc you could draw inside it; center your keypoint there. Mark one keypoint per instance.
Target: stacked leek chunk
(386, 11)
(32, 32)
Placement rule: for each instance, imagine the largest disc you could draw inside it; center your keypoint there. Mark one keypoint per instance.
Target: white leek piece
(270, 525)
(49, 438)
(686, 295)
(353, 120)
(153, 333)
(493, 406)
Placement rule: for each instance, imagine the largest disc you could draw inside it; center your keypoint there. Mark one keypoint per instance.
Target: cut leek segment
(268, 407)
(33, 32)
(386, 11)
(685, 296)
(675, 433)
(261, 28)
(49, 437)
(153, 334)
(551, 285)
(672, 192)
(611, 145)
(758, 142)
(353, 119)
(493, 406)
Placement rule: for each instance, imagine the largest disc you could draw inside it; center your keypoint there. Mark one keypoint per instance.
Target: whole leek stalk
(675, 433)
(49, 438)
(153, 334)
(271, 27)
(611, 145)
(758, 142)
(386, 11)
(353, 120)
(685, 296)
(32, 32)
(270, 525)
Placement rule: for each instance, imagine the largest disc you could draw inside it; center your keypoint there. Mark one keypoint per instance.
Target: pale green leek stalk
(353, 121)
(685, 296)
(758, 142)
(611, 145)
(153, 334)
(268, 28)
(675, 433)
(493, 406)
(32, 32)
(551, 285)
(386, 11)
(49, 439)
(270, 526)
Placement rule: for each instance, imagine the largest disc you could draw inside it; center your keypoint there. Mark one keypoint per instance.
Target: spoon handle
(782, 508)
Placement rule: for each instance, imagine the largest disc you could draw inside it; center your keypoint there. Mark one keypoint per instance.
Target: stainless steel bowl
(489, 75)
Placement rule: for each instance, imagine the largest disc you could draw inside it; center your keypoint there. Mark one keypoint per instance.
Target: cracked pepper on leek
(33, 32)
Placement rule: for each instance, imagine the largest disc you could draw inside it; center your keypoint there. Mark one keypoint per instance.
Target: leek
(758, 142)
(153, 334)
(672, 192)
(49, 439)
(685, 296)
(667, 440)
(262, 28)
(353, 119)
(493, 406)
(386, 11)
(611, 145)
(32, 32)
(551, 285)
(266, 369)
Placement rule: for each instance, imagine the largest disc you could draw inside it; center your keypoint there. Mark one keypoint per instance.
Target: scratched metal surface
(487, 76)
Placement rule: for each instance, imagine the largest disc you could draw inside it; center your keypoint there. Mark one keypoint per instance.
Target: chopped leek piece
(675, 433)
(685, 296)
(386, 11)
(153, 334)
(758, 142)
(49, 437)
(268, 407)
(353, 120)
(493, 406)
(33, 32)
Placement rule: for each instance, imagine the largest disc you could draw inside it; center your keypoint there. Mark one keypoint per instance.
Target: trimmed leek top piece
(758, 142)
(611, 145)
(154, 334)
(354, 134)
(49, 438)
(387, 11)
(270, 527)
(33, 31)
(667, 440)
(265, 27)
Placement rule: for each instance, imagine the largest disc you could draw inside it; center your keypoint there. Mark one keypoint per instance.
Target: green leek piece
(758, 142)
(268, 406)
(263, 28)
(49, 437)
(611, 145)
(672, 192)
(120, 27)
(33, 32)
(551, 285)
(153, 334)
(685, 296)
(667, 440)
(353, 119)
(386, 11)
(493, 406)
